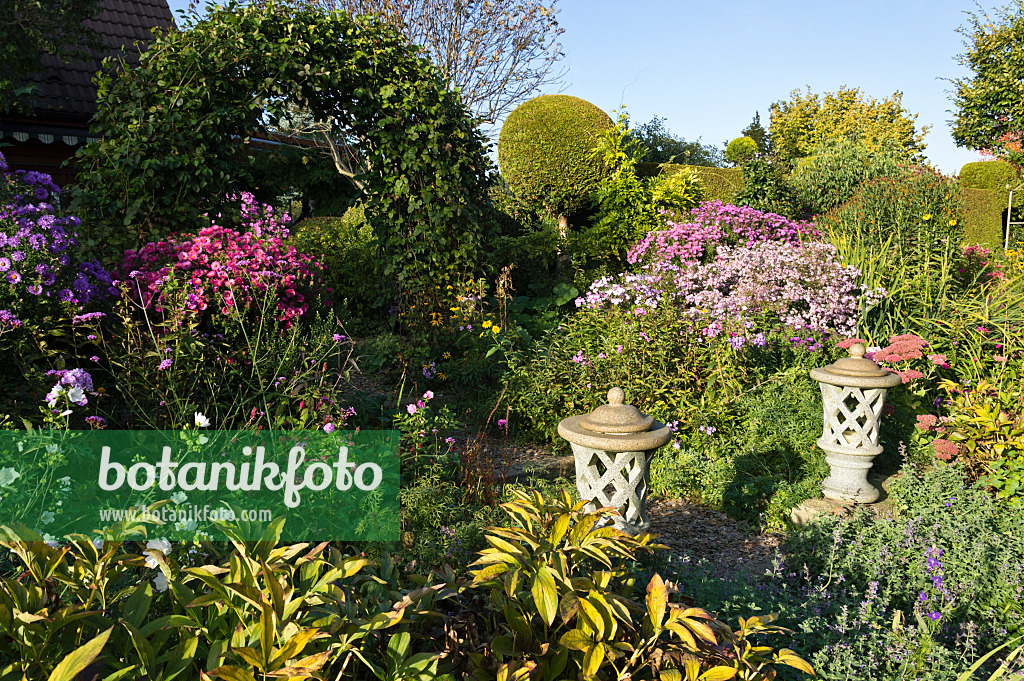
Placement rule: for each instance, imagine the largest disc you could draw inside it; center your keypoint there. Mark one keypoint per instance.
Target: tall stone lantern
(853, 392)
(612, 446)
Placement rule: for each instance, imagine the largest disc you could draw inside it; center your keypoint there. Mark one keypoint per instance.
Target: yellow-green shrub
(722, 184)
(984, 216)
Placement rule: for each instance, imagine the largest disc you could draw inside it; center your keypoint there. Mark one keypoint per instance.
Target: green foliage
(984, 214)
(990, 102)
(994, 174)
(170, 130)
(560, 596)
(741, 149)
(350, 256)
(676, 193)
(545, 150)
(555, 592)
(799, 125)
(831, 175)
(719, 184)
(664, 147)
(766, 187)
(31, 28)
(625, 207)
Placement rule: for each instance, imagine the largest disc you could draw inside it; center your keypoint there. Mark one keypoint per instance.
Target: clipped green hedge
(721, 184)
(984, 216)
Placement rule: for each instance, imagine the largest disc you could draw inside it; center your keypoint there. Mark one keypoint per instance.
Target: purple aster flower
(934, 615)
(41, 193)
(5, 264)
(37, 241)
(13, 277)
(64, 295)
(35, 289)
(17, 256)
(42, 268)
(48, 279)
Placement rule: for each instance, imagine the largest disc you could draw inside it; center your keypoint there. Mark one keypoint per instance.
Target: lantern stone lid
(856, 371)
(615, 427)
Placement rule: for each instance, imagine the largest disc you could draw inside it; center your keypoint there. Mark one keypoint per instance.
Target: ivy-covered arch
(173, 133)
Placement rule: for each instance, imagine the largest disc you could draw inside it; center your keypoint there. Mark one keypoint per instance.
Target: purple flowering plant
(39, 269)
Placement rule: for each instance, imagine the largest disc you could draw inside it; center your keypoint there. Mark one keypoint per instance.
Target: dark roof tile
(68, 87)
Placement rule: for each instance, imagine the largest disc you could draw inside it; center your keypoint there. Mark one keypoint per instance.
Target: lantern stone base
(848, 478)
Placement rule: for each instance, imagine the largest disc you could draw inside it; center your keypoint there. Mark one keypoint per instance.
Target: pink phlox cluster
(634, 290)
(714, 223)
(225, 267)
(806, 287)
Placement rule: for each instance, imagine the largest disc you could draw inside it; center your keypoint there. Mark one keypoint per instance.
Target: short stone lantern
(853, 392)
(612, 446)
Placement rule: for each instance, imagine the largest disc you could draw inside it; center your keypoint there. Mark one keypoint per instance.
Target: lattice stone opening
(851, 415)
(615, 479)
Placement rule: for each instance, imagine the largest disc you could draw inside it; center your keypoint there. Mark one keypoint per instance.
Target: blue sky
(706, 67)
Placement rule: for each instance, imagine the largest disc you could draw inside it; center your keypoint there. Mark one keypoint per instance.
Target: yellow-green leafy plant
(676, 193)
(561, 599)
(985, 431)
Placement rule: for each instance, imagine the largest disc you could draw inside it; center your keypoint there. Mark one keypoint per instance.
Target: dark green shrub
(740, 149)
(766, 187)
(346, 248)
(545, 150)
(831, 176)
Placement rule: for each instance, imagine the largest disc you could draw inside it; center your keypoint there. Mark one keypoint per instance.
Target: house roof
(66, 91)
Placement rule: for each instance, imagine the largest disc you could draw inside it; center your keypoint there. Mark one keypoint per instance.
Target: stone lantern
(853, 392)
(612, 446)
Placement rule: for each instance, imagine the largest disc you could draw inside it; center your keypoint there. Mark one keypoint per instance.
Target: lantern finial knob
(616, 396)
(857, 350)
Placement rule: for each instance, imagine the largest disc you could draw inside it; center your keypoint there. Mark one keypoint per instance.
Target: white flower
(161, 545)
(77, 395)
(66, 412)
(201, 420)
(179, 497)
(46, 517)
(8, 476)
(160, 582)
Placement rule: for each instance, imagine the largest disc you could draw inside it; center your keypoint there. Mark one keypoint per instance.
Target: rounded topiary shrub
(989, 175)
(740, 149)
(546, 153)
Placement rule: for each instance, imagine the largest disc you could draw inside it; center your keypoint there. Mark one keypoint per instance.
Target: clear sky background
(707, 67)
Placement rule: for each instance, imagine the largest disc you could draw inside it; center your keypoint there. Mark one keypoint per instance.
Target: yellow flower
(442, 377)
(952, 223)
(487, 324)
(454, 309)
(496, 329)
(446, 355)
(926, 216)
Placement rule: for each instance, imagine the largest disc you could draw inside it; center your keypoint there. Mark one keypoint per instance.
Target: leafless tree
(496, 52)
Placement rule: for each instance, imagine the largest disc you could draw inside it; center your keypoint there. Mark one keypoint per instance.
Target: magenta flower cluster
(36, 244)
(714, 223)
(259, 218)
(222, 269)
